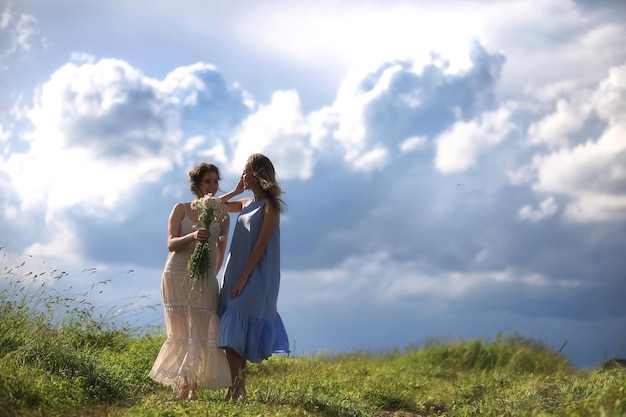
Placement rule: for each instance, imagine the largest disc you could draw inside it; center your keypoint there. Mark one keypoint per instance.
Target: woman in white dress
(190, 358)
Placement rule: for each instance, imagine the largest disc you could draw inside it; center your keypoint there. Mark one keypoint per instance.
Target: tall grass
(58, 350)
(62, 356)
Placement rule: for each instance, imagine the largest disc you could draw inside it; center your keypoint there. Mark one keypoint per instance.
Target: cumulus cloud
(592, 173)
(280, 130)
(108, 114)
(459, 148)
(379, 113)
(103, 130)
(553, 130)
(610, 98)
(109, 108)
(209, 104)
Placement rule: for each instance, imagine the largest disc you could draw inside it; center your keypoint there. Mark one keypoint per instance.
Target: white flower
(210, 210)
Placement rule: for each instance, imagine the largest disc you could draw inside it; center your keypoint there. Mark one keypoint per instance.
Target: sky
(453, 169)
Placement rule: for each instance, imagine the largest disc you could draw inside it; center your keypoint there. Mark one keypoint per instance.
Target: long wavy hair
(263, 170)
(196, 174)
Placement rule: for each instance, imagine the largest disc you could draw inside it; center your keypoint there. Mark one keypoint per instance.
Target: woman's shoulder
(246, 201)
(180, 208)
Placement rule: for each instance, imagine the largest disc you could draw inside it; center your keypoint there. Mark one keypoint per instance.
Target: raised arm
(236, 205)
(270, 217)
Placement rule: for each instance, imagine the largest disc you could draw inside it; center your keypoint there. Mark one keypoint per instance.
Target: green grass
(59, 357)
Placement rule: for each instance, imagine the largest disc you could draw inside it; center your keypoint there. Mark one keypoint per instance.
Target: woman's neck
(258, 194)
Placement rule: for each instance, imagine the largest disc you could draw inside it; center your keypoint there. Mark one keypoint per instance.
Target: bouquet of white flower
(210, 210)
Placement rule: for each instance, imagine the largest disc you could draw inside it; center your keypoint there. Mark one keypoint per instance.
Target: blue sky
(453, 169)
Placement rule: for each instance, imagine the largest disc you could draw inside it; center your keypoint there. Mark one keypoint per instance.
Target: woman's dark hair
(196, 174)
(263, 170)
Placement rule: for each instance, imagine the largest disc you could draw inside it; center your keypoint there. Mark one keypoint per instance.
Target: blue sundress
(250, 323)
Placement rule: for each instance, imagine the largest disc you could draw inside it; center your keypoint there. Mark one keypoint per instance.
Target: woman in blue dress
(250, 327)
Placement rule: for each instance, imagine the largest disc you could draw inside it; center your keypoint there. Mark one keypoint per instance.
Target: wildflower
(210, 210)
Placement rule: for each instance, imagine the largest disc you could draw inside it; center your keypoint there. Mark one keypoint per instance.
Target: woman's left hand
(238, 287)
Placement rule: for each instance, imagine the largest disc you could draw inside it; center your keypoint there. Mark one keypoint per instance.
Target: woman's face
(209, 183)
(248, 178)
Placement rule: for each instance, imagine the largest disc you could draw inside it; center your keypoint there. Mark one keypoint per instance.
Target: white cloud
(185, 83)
(6, 18)
(194, 143)
(377, 108)
(513, 18)
(60, 242)
(109, 107)
(553, 130)
(202, 86)
(383, 280)
(101, 131)
(413, 143)
(458, 285)
(546, 208)
(371, 160)
(554, 91)
(344, 121)
(593, 173)
(280, 131)
(312, 33)
(343, 35)
(459, 148)
(522, 175)
(16, 34)
(104, 128)
(216, 154)
(4, 136)
(610, 99)
(575, 51)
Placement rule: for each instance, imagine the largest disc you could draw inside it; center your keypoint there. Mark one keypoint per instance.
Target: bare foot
(193, 395)
(183, 391)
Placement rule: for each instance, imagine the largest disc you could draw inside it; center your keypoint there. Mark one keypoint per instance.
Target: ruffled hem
(205, 365)
(190, 351)
(251, 337)
(281, 343)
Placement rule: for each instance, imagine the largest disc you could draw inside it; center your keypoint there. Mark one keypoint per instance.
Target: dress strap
(185, 207)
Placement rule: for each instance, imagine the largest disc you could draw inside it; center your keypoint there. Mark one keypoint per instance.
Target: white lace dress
(191, 322)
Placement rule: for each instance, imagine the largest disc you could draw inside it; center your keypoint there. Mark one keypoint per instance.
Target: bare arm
(236, 205)
(270, 217)
(174, 240)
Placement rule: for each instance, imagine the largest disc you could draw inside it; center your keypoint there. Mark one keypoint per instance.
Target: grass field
(58, 357)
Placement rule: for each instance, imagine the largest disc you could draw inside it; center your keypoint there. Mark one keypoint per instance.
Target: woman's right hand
(202, 234)
(240, 186)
